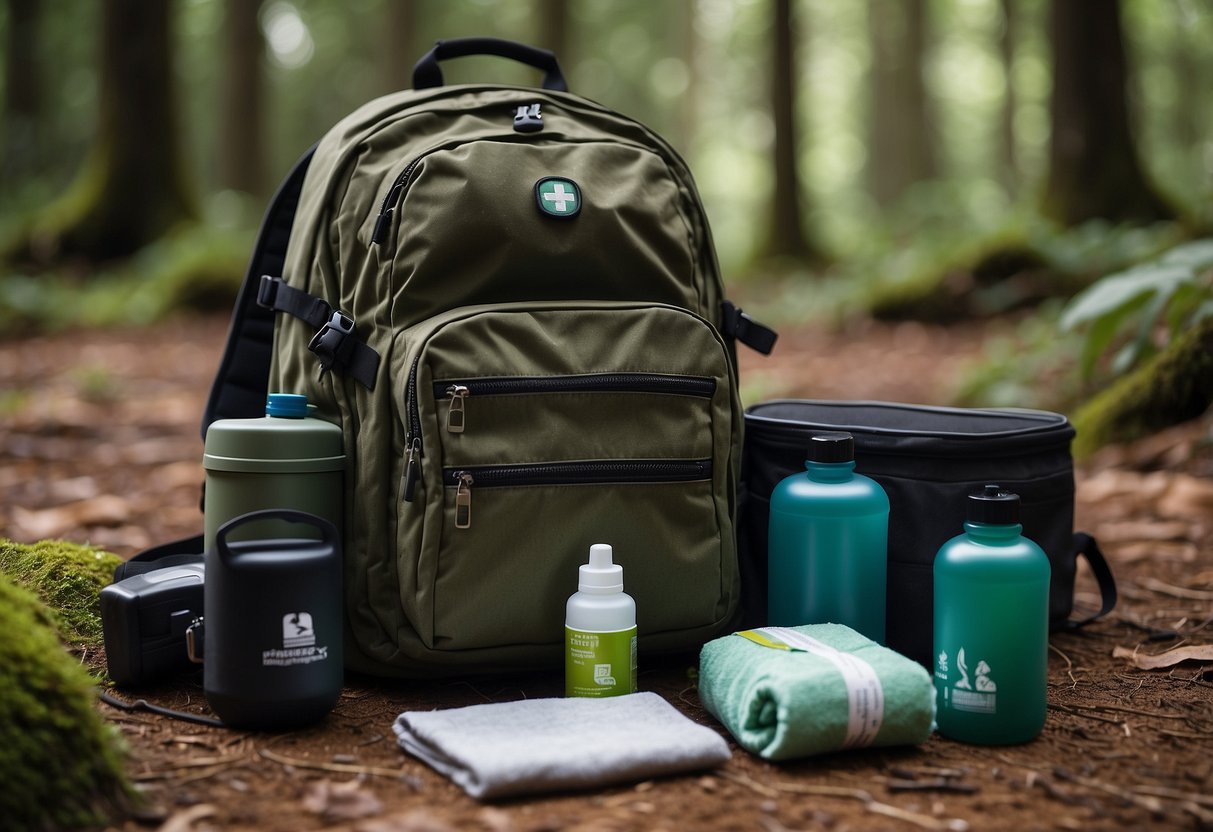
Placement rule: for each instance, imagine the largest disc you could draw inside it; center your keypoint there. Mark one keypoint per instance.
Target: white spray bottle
(600, 631)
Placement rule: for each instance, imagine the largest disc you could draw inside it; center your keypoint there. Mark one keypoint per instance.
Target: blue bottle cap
(286, 405)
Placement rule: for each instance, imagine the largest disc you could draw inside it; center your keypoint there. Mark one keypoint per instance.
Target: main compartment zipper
(458, 390)
(631, 472)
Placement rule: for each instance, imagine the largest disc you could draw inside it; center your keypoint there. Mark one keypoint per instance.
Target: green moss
(1175, 386)
(59, 762)
(67, 578)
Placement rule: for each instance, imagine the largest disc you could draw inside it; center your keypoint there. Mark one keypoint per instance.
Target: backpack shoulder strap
(242, 380)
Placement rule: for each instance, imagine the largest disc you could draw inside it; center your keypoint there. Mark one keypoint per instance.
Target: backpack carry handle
(427, 74)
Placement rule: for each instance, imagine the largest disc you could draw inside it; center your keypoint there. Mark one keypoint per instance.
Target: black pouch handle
(427, 74)
(1086, 546)
(328, 532)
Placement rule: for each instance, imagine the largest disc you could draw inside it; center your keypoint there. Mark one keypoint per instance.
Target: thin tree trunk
(19, 145)
(902, 138)
(242, 130)
(553, 28)
(786, 231)
(1006, 48)
(133, 186)
(402, 46)
(1094, 171)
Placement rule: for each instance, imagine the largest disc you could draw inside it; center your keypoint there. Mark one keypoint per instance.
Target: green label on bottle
(599, 664)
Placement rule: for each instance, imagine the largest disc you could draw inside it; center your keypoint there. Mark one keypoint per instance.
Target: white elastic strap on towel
(865, 696)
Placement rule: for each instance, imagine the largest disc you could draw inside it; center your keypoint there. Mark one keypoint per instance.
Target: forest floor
(99, 443)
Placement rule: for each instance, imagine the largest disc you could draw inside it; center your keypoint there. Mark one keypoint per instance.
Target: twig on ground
(939, 784)
(869, 803)
(183, 821)
(343, 768)
(1069, 666)
(1151, 804)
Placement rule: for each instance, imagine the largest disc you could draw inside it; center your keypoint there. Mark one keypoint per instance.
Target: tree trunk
(133, 186)
(1175, 386)
(1094, 171)
(402, 46)
(1006, 48)
(553, 28)
(242, 129)
(19, 146)
(786, 231)
(902, 138)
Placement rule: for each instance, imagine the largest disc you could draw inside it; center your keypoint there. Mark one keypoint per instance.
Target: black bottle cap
(994, 507)
(832, 446)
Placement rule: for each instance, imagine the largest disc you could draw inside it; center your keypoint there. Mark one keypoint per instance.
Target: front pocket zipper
(458, 390)
(605, 472)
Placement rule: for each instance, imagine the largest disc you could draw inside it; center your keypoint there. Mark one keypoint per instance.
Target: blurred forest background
(1048, 165)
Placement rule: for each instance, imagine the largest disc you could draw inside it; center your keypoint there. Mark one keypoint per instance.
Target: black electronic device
(145, 617)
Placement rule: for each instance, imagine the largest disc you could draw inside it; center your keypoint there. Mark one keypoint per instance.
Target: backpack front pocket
(528, 444)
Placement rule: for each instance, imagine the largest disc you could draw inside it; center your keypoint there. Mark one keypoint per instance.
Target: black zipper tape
(581, 473)
(589, 383)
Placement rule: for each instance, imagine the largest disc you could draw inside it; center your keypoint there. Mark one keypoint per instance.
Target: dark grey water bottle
(273, 616)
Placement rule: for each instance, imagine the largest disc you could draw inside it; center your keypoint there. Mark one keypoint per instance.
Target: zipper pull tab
(455, 415)
(463, 501)
(412, 470)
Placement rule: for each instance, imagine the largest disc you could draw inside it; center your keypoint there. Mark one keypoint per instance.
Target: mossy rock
(67, 578)
(1175, 386)
(60, 763)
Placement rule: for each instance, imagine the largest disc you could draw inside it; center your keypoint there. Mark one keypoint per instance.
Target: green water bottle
(828, 543)
(286, 459)
(991, 627)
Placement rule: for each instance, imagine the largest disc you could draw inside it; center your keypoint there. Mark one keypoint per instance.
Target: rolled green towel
(797, 691)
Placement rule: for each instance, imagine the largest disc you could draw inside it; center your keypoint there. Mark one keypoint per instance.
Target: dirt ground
(99, 443)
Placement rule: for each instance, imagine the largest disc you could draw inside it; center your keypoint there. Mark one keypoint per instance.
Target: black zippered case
(927, 459)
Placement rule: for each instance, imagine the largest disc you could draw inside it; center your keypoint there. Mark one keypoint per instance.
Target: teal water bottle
(828, 543)
(991, 627)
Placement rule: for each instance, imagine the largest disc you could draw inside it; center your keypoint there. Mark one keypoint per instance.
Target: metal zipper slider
(463, 501)
(412, 470)
(455, 415)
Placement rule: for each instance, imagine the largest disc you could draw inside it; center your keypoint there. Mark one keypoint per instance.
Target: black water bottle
(273, 624)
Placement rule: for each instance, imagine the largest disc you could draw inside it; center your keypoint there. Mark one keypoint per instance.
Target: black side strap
(174, 553)
(335, 344)
(1086, 546)
(242, 381)
(739, 325)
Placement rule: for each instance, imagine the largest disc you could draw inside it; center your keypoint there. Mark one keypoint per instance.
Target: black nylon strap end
(737, 324)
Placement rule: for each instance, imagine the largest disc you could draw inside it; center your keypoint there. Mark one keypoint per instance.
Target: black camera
(145, 618)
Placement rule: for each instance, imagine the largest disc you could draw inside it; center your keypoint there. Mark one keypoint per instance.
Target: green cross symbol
(558, 197)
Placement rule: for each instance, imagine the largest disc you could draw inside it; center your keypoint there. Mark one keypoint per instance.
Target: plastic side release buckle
(333, 344)
(528, 119)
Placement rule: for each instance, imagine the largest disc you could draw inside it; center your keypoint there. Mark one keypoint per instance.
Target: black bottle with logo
(273, 612)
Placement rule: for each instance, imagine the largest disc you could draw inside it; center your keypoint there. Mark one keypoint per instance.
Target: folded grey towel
(537, 745)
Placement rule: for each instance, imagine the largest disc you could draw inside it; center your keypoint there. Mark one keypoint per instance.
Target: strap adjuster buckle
(332, 344)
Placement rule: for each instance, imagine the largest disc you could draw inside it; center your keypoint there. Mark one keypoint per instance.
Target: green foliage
(1027, 366)
(1172, 387)
(59, 762)
(1125, 311)
(199, 267)
(67, 578)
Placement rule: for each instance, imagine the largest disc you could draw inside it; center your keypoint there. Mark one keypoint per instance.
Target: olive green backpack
(509, 301)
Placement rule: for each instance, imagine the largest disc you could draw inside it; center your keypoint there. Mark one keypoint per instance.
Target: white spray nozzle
(601, 574)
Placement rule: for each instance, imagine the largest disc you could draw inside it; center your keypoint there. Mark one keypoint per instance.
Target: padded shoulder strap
(1086, 546)
(242, 380)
